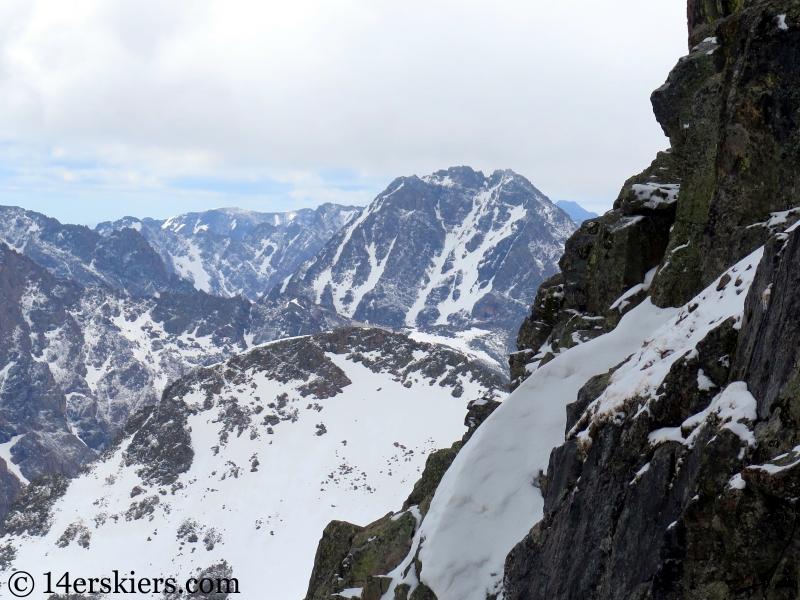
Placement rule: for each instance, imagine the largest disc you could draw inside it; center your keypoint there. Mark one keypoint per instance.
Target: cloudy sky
(156, 107)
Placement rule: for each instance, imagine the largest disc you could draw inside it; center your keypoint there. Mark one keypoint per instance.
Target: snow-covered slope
(245, 462)
(489, 498)
(455, 254)
(230, 251)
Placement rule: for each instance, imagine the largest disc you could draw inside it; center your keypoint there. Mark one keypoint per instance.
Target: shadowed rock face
(714, 518)
(123, 260)
(625, 517)
(730, 111)
(603, 260)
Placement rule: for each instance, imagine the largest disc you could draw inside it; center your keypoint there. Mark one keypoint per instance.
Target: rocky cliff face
(455, 254)
(229, 251)
(606, 270)
(730, 110)
(685, 487)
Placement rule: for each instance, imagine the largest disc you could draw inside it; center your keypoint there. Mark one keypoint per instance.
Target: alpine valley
(152, 350)
(316, 404)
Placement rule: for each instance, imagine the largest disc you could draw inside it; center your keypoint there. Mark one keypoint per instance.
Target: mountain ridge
(191, 477)
(231, 251)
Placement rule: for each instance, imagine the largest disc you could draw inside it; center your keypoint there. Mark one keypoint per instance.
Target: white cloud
(143, 93)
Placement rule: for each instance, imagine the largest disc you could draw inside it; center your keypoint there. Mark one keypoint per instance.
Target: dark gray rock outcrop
(606, 269)
(733, 163)
(123, 260)
(684, 527)
(713, 514)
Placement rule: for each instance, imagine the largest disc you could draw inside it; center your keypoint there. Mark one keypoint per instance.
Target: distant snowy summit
(230, 251)
(575, 211)
(456, 256)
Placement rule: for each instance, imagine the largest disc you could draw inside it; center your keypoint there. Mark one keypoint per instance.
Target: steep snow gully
(489, 498)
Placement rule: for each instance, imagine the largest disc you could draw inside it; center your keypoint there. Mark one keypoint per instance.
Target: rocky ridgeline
(224, 252)
(680, 469)
(704, 514)
(693, 213)
(122, 260)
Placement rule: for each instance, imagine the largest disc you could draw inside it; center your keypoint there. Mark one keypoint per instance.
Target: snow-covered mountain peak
(451, 250)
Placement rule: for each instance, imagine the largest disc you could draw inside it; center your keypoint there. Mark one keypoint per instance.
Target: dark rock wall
(603, 259)
(714, 519)
(730, 109)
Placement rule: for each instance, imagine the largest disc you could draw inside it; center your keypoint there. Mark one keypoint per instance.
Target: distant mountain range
(229, 251)
(122, 259)
(440, 257)
(575, 211)
(99, 322)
